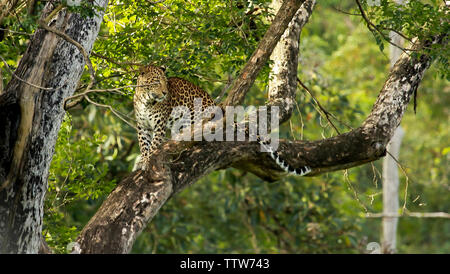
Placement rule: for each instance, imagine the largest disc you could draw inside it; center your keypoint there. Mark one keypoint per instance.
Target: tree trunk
(390, 169)
(390, 193)
(32, 112)
(283, 74)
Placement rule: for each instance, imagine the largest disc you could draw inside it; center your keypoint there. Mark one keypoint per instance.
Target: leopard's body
(156, 97)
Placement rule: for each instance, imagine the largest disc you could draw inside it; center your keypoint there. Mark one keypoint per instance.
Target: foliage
(248, 216)
(413, 19)
(76, 174)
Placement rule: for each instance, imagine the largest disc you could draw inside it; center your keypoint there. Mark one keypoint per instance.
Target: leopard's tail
(301, 171)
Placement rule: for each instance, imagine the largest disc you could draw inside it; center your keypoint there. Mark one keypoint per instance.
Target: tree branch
(324, 111)
(144, 192)
(20, 79)
(283, 75)
(372, 28)
(260, 56)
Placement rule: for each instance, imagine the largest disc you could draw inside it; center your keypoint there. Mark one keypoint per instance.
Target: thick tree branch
(144, 192)
(260, 56)
(283, 75)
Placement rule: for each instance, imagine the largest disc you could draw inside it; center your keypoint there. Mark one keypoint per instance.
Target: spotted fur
(156, 97)
(154, 100)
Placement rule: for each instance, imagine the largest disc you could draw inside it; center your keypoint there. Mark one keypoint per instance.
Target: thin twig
(22, 80)
(345, 12)
(244, 35)
(410, 214)
(111, 60)
(375, 171)
(16, 32)
(400, 34)
(210, 79)
(301, 120)
(372, 27)
(390, 29)
(406, 176)
(115, 112)
(327, 114)
(224, 89)
(352, 188)
(68, 105)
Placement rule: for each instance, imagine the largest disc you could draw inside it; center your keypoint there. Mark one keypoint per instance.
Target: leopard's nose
(158, 96)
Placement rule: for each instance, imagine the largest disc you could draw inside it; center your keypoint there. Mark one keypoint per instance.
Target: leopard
(155, 98)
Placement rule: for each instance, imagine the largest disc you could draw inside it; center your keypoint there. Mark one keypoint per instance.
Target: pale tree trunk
(283, 74)
(390, 193)
(31, 111)
(390, 169)
(242, 84)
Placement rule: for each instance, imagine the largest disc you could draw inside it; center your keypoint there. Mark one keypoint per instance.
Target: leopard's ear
(163, 68)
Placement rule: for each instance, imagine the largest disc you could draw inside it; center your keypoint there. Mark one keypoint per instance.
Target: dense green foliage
(208, 42)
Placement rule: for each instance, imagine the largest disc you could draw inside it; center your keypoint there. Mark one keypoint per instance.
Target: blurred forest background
(208, 42)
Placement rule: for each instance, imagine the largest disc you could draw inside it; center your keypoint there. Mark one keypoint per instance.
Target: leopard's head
(152, 83)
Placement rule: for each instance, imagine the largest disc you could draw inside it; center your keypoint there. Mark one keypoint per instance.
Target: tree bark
(390, 169)
(118, 222)
(283, 74)
(31, 111)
